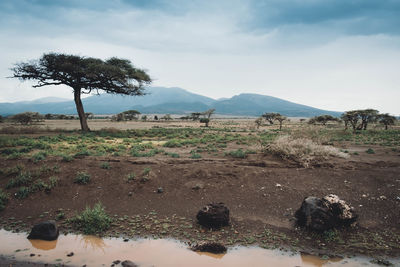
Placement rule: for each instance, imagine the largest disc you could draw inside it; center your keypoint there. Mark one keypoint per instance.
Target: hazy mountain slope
(168, 100)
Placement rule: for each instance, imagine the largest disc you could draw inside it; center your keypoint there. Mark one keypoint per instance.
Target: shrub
(130, 177)
(237, 154)
(82, 178)
(370, 151)
(195, 156)
(24, 178)
(105, 165)
(39, 156)
(67, 158)
(92, 221)
(53, 181)
(22, 192)
(3, 199)
(302, 150)
(173, 143)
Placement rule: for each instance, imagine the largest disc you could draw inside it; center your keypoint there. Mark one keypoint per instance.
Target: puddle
(94, 251)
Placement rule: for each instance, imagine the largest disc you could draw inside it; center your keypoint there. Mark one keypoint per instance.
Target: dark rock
(323, 214)
(160, 190)
(117, 262)
(126, 240)
(213, 216)
(128, 263)
(70, 254)
(211, 247)
(32, 255)
(44, 231)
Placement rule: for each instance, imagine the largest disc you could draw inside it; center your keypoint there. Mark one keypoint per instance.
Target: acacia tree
(270, 117)
(84, 75)
(323, 119)
(386, 119)
(281, 119)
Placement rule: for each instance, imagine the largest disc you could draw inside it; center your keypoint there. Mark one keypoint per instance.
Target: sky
(331, 54)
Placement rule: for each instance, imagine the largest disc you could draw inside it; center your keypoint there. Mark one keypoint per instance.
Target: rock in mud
(323, 214)
(128, 263)
(213, 215)
(211, 247)
(44, 231)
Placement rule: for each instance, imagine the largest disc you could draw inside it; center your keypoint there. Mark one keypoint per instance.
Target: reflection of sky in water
(95, 251)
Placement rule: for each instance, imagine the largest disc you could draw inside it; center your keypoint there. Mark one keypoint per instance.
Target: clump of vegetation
(239, 153)
(105, 165)
(92, 220)
(22, 192)
(370, 151)
(131, 177)
(39, 156)
(23, 178)
(82, 178)
(3, 199)
(195, 155)
(302, 150)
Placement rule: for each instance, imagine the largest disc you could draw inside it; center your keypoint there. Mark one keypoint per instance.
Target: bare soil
(261, 191)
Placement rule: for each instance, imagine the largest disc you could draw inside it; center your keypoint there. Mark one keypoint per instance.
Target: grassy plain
(153, 177)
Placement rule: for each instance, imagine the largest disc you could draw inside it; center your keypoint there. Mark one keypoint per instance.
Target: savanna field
(149, 179)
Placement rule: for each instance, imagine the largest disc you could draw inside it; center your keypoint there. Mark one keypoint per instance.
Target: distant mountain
(168, 100)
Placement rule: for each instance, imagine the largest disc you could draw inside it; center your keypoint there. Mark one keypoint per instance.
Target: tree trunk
(386, 126)
(280, 125)
(79, 109)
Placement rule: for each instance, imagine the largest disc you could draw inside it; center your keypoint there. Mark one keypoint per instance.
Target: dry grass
(302, 150)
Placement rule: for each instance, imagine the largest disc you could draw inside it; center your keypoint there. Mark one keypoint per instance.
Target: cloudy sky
(331, 54)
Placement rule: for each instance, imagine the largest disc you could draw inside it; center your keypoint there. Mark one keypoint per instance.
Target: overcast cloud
(335, 55)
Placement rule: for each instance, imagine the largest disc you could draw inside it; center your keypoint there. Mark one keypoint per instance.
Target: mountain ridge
(173, 100)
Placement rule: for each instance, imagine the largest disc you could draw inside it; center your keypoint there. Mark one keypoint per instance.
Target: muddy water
(94, 251)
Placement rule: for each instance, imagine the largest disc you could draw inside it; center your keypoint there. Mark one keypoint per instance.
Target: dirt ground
(261, 191)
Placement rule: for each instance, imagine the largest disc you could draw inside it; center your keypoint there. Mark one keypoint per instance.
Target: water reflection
(42, 244)
(212, 255)
(92, 242)
(311, 260)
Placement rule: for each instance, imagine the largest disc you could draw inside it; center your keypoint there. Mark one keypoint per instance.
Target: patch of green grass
(22, 192)
(195, 155)
(82, 178)
(41, 155)
(131, 177)
(23, 178)
(146, 171)
(105, 165)
(67, 158)
(92, 220)
(4, 197)
(172, 155)
(370, 151)
(239, 153)
(38, 185)
(82, 153)
(53, 182)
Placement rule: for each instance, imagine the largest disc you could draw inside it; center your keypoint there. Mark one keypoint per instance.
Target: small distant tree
(270, 117)
(386, 120)
(258, 122)
(359, 119)
(131, 114)
(26, 118)
(322, 119)
(205, 120)
(167, 117)
(84, 75)
(367, 116)
(144, 118)
(280, 118)
(89, 115)
(155, 117)
(185, 118)
(195, 116)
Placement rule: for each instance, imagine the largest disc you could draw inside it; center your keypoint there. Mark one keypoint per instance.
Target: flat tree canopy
(84, 75)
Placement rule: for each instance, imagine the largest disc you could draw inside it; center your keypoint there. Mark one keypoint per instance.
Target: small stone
(130, 194)
(70, 254)
(160, 190)
(128, 263)
(382, 198)
(278, 185)
(117, 262)
(32, 255)
(364, 195)
(126, 240)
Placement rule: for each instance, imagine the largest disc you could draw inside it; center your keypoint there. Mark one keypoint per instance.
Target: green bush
(370, 151)
(23, 178)
(105, 165)
(92, 221)
(237, 154)
(82, 178)
(39, 156)
(22, 192)
(3, 199)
